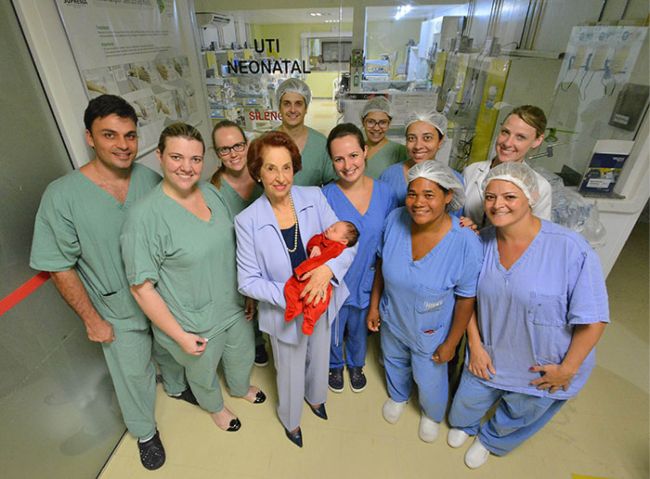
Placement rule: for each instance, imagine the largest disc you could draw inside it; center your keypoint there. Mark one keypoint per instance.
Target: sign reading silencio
(267, 65)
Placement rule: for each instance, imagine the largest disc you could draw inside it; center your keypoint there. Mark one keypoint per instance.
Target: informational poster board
(133, 48)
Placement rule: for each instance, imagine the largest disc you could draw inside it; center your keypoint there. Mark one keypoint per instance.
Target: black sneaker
(335, 381)
(357, 379)
(261, 356)
(152, 453)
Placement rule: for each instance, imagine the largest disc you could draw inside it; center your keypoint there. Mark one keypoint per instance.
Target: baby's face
(337, 232)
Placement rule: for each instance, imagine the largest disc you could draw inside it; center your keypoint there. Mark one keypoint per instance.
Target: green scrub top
(191, 262)
(317, 167)
(236, 203)
(388, 155)
(78, 226)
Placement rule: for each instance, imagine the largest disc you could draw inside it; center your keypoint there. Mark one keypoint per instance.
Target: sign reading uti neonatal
(267, 65)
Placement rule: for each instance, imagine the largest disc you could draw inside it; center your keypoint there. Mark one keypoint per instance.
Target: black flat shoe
(294, 437)
(318, 411)
(187, 396)
(260, 397)
(235, 425)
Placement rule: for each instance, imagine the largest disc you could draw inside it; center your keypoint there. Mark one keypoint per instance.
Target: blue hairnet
(378, 103)
(442, 175)
(519, 174)
(294, 85)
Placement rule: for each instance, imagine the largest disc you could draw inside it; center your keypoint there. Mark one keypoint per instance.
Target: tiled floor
(602, 433)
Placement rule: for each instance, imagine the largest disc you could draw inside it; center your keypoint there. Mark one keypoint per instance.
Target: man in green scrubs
(76, 239)
(293, 97)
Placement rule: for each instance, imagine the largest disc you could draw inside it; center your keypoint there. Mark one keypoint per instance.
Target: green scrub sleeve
(142, 249)
(55, 246)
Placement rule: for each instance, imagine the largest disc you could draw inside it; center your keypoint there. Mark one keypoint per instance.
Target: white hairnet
(294, 85)
(438, 120)
(519, 174)
(378, 103)
(442, 175)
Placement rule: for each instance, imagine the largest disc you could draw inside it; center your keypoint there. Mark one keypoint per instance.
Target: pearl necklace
(295, 232)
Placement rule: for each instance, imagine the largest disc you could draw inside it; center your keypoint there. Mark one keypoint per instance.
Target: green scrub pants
(235, 346)
(129, 361)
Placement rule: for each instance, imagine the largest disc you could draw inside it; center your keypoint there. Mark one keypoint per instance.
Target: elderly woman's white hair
(293, 85)
(437, 120)
(378, 103)
(442, 175)
(519, 174)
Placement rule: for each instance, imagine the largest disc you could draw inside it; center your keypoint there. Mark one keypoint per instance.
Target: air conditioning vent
(206, 18)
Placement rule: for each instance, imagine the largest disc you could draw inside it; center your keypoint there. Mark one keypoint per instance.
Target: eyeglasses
(370, 123)
(226, 150)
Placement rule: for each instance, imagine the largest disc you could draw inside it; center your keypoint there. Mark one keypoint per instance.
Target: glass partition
(248, 53)
(584, 63)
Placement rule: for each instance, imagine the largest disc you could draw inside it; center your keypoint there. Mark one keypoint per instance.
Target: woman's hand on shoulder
(554, 377)
(318, 281)
(480, 362)
(466, 222)
(373, 320)
(192, 344)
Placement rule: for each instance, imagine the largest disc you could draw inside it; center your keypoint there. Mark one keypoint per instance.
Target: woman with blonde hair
(522, 130)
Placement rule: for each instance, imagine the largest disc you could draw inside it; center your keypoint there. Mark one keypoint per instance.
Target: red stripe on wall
(23, 291)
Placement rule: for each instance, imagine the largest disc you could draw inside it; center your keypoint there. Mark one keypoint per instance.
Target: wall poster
(132, 48)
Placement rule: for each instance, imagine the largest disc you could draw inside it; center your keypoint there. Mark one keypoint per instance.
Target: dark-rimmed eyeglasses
(226, 150)
(370, 123)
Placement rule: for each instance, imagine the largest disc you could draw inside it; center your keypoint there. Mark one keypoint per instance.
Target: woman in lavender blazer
(271, 237)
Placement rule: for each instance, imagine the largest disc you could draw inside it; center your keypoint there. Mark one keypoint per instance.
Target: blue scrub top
(360, 276)
(417, 304)
(527, 313)
(394, 176)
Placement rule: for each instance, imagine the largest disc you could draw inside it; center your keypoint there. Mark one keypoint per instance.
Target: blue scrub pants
(350, 330)
(518, 416)
(404, 365)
